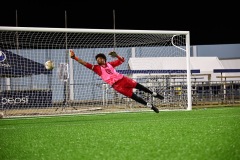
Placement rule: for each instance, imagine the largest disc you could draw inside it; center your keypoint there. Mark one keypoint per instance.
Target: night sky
(208, 23)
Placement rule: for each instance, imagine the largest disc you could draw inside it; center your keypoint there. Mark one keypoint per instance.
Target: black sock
(138, 99)
(142, 88)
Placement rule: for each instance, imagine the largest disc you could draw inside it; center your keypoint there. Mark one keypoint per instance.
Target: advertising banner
(26, 98)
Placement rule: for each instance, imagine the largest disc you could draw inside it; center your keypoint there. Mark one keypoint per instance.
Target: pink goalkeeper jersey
(109, 74)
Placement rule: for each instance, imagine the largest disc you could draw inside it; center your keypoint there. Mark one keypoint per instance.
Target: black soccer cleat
(155, 109)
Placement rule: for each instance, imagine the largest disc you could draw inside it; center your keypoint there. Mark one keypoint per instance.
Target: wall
(221, 51)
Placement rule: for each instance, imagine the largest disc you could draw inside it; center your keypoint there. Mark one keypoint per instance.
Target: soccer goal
(156, 59)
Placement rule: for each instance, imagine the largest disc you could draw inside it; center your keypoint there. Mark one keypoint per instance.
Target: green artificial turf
(200, 134)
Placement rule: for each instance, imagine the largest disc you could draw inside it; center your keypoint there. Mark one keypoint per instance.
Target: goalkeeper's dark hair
(101, 55)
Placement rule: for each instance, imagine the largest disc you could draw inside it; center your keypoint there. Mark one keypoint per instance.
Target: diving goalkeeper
(119, 82)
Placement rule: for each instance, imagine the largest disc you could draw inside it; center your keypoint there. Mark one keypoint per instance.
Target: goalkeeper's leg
(142, 101)
(125, 87)
(145, 89)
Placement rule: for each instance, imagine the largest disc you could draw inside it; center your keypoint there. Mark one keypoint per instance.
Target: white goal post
(158, 59)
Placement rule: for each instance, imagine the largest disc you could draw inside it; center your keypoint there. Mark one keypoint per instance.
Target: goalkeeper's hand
(72, 54)
(113, 54)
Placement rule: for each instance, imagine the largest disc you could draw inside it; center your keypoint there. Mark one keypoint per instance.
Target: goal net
(158, 60)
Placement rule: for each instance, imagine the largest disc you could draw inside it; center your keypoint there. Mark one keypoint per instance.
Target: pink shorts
(125, 86)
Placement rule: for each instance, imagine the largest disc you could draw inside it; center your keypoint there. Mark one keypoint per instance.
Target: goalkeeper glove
(113, 54)
(72, 54)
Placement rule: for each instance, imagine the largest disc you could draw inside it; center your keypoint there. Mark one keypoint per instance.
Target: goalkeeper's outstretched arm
(79, 60)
